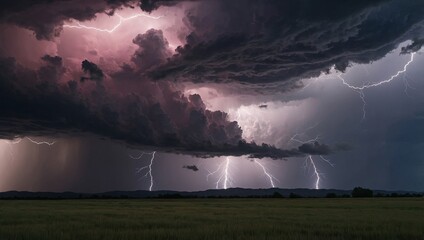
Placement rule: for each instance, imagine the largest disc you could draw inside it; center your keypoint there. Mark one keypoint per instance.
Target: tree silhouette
(361, 192)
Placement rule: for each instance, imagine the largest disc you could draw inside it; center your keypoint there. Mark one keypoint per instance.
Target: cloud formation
(153, 49)
(46, 18)
(259, 45)
(315, 148)
(151, 5)
(94, 72)
(164, 119)
(264, 44)
(256, 45)
(193, 168)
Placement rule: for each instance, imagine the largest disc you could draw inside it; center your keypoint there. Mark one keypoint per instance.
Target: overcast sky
(245, 93)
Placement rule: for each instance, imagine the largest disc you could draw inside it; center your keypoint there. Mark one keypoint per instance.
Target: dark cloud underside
(268, 43)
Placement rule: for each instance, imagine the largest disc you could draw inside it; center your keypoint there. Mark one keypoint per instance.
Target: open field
(377, 218)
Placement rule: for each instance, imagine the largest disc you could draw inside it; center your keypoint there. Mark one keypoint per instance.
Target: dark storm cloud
(151, 5)
(52, 69)
(46, 17)
(413, 47)
(41, 107)
(242, 148)
(164, 119)
(254, 150)
(259, 43)
(315, 148)
(153, 49)
(95, 73)
(73, 85)
(193, 168)
(53, 60)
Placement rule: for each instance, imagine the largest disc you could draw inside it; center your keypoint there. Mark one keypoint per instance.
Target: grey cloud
(53, 60)
(153, 49)
(52, 69)
(193, 168)
(165, 120)
(46, 17)
(258, 45)
(263, 44)
(151, 5)
(415, 46)
(242, 148)
(95, 73)
(73, 85)
(315, 148)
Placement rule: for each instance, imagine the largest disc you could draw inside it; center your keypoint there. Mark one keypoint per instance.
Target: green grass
(221, 219)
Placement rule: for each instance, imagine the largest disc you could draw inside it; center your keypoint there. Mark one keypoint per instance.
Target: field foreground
(376, 218)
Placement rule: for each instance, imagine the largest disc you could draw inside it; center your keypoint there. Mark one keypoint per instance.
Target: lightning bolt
(214, 172)
(19, 140)
(121, 21)
(270, 177)
(407, 85)
(227, 163)
(326, 160)
(14, 141)
(149, 167)
(360, 89)
(316, 172)
(310, 159)
(224, 177)
(40, 142)
(294, 139)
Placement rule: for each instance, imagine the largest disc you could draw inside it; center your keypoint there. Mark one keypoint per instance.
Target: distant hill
(232, 192)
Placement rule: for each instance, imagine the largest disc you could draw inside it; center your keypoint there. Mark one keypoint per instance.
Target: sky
(192, 95)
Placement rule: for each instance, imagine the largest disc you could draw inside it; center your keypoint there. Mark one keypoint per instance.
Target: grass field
(378, 218)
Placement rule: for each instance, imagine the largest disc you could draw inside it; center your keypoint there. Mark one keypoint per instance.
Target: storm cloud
(94, 72)
(260, 45)
(171, 122)
(211, 79)
(315, 148)
(46, 18)
(264, 45)
(193, 168)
